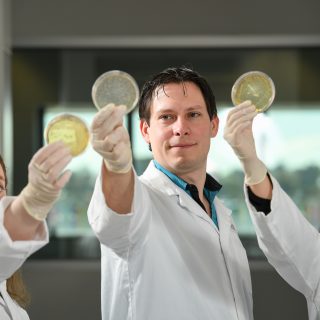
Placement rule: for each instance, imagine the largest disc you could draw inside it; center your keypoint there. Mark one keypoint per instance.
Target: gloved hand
(111, 139)
(45, 180)
(238, 133)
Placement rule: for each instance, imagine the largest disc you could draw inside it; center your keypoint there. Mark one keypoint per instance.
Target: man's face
(2, 183)
(180, 128)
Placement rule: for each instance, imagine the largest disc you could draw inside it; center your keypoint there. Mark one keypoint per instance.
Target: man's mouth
(182, 145)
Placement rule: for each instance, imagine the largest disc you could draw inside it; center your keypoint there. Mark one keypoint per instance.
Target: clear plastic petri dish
(69, 129)
(255, 86)
(116, 87)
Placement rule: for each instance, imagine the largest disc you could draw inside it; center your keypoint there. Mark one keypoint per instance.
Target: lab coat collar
(158, 181)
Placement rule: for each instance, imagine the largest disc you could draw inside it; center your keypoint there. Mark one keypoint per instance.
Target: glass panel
(288, 141)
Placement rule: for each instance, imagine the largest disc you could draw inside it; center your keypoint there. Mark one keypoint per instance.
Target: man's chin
(183, 164)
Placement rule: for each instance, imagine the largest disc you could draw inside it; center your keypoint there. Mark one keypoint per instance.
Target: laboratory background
(51, 52)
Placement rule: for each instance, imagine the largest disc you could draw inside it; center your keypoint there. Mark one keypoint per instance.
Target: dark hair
(175, 75)
(4, 170)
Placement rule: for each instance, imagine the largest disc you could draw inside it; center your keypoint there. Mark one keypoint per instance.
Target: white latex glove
(45, 179)
(111, 139)
(238, 133)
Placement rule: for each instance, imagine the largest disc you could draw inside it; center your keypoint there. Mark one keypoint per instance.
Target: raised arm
(238, 133)
(111, 140)
(25, 215)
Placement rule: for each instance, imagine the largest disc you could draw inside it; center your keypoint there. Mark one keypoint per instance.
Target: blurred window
(287, 139)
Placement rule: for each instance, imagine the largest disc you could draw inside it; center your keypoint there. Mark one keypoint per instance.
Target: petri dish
(71, 130)
(116, 87)
(255, 86)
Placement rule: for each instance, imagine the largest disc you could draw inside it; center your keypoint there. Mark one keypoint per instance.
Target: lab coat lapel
(159, 181)
(186, 201)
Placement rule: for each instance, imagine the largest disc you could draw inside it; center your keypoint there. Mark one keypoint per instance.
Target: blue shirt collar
(211, 185)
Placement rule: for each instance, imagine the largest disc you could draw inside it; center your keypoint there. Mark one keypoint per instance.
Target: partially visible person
(289, 241)
(23, 229)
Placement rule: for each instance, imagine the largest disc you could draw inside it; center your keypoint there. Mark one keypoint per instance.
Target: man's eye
(194, 114)
(166, 117)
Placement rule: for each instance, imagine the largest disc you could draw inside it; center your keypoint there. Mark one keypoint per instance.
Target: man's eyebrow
(196, 107)
(168, 109)
(164, 110)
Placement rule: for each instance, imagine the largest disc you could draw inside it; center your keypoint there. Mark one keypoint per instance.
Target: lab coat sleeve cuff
(14, 253)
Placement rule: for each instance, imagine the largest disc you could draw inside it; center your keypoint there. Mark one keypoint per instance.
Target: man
(290, 242)
(169, 246)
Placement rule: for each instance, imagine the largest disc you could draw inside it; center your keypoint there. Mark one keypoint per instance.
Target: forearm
(18, 223)
(118, 190)
(263, 189)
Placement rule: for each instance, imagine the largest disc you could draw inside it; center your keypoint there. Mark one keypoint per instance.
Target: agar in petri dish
(116, 87)
(255, 86)
(71, 130)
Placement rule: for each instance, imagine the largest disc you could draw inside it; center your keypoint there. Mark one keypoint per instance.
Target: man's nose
(181, 127)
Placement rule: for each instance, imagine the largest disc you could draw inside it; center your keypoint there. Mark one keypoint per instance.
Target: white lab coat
(167, 259)
(12, 256)
(291, 244)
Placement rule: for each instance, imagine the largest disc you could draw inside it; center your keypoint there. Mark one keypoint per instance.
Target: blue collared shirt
(211, 188)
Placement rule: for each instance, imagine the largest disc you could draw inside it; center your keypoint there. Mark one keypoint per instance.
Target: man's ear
(144, 129)
(215, 126)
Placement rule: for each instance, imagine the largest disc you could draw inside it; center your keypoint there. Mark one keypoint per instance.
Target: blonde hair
(17, 289)
(15, 285)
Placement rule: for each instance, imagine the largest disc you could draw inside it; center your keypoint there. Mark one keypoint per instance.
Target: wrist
(120, 165)
(117, 168)
(254, 170)
(37, 203)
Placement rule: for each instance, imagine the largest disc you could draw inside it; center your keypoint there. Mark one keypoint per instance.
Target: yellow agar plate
(69, 129)
(255, 86)
(116, 87)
